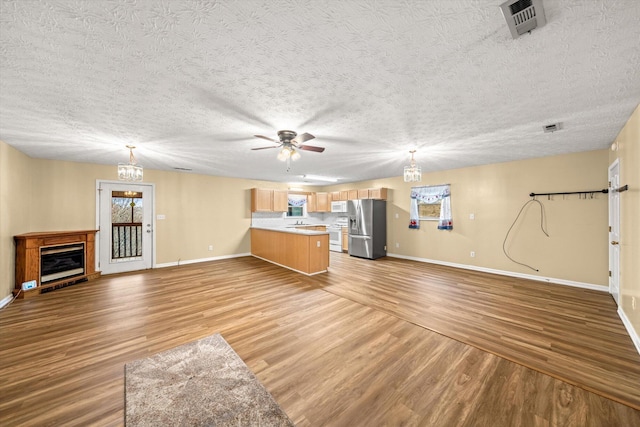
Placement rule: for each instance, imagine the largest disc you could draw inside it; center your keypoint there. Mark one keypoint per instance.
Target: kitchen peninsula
(302, 250)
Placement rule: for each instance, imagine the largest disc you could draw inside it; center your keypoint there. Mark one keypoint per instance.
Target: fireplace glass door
(126, 227)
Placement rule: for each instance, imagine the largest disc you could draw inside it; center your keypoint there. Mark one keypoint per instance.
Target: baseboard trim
(6, 300)
(194, 261)
(630, 330)
(506, 273)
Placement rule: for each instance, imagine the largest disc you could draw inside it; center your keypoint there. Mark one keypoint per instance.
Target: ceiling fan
(290, 142)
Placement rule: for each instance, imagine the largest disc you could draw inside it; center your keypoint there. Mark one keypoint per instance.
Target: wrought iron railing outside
(126, 240)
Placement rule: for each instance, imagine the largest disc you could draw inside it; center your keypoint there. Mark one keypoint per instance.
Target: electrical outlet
(318, 243)
(472, 216)
(397, 245)
(633, 302)
(210, 247)
(472, 254)
(397, 216)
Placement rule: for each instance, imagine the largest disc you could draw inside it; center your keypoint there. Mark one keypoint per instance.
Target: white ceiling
(190, 82)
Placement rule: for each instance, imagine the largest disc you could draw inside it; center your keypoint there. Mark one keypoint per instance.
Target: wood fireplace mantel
(28, 247)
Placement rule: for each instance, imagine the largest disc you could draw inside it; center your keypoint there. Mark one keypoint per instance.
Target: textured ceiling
(190, 82)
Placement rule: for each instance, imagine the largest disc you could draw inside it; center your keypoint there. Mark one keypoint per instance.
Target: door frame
(153, 217)
(614, 270)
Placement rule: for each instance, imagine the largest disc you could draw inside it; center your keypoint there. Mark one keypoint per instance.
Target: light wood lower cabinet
(345, 239)
(313, 227)
(308, 254)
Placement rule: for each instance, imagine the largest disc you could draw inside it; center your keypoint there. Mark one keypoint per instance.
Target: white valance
(431, 195)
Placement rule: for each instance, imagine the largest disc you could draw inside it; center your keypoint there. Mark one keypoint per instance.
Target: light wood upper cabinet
(261, 200)
(378, 193)
(312, 205)
(280, 200)
(323, 203)
(339, 195)
(363, 194)
(352, 195)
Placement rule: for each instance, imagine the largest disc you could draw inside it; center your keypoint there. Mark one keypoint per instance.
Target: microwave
(339, 206)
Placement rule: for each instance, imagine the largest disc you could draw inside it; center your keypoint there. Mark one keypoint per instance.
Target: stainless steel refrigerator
(367, 228)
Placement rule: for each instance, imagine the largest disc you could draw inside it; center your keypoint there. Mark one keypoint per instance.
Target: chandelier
(130, 171)
(412, 173)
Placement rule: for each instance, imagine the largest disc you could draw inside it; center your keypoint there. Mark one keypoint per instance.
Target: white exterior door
(614, 231)
(125, 222)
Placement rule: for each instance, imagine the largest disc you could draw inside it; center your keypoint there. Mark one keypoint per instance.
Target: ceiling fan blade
(264, 148)
(302, 138)
(311, 148)
(265, 137)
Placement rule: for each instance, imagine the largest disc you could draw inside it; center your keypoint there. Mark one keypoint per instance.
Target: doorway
(126, 239)
(614, 230)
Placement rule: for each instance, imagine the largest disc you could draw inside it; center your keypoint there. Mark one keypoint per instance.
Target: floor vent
(523, 16)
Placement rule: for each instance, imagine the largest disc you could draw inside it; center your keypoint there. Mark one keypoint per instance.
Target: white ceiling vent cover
(523, 15)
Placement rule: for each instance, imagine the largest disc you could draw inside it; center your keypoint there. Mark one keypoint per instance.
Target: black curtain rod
(604, 190)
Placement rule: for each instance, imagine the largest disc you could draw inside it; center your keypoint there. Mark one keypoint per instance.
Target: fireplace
(61, 262)
(54, 259)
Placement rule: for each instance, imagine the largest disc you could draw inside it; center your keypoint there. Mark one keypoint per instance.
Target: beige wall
(576, 250)
(16, 209)
(49, 195)
(205, 210)
(628, 153)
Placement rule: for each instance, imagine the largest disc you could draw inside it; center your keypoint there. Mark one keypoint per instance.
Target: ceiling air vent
(523, 15)
(552, 128)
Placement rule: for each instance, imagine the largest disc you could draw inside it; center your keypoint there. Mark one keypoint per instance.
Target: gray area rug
(203, 383)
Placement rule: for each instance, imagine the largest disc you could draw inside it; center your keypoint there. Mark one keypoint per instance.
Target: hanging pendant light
(130, 171)
(412, 173)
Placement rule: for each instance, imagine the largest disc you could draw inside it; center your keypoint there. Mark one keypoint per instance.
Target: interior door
(125, 214)
(614, 231)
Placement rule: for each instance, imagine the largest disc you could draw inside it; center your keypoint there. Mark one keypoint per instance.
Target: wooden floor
(351, 347)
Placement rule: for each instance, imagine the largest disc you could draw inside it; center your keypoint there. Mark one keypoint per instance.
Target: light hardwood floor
(347, 348)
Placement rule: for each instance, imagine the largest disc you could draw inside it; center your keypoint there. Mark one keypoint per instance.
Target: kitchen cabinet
(345, 239)
(280, 200)
(312, 204)
(368, 193)
(313, 227)
(261, 200)
(378, 193)
(304, 252)
(323, 203)
(339, 196)
(264, 200)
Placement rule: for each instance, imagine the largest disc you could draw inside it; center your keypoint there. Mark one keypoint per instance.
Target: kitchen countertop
(293, 230)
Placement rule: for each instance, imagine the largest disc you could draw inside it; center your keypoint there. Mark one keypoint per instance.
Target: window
(297, 206)
(431, 203)
(429, 211)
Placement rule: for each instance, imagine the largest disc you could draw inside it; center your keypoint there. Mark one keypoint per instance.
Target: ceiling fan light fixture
(412, 173)
(130, 171)
(284, 154)
(295, 154)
